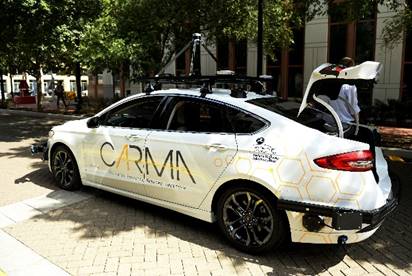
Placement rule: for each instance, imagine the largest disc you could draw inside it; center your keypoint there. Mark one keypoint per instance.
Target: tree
(398, 25)
(31, 36)
(8, 51)
(74, 16)
(106, 46)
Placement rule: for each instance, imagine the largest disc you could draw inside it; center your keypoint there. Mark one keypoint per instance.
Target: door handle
(218, 147)
(133, 137)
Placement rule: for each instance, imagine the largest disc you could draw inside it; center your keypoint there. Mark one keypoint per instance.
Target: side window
(198, 116)
(243, 122)
(138, 114)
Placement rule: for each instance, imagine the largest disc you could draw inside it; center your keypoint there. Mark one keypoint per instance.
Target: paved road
(21, 175)
(112, 235)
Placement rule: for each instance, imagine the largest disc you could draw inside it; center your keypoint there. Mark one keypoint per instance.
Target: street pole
(3, 97)
(260, 38)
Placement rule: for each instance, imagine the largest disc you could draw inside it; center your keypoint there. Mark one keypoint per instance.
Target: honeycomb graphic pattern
(296, 177)
(321, 189)
(291, 171)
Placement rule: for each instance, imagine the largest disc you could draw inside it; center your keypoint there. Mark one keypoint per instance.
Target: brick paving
(113, 235)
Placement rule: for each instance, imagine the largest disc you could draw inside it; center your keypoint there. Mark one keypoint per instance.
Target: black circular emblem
(260, 140)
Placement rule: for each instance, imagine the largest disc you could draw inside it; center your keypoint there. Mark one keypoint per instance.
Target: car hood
(74, 125)
(327, 79)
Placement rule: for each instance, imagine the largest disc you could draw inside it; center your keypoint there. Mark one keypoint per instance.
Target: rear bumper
(40, 148)
(343, 218)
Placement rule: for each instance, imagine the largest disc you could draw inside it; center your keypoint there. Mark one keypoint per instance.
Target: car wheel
(65, 170)
(249, 220)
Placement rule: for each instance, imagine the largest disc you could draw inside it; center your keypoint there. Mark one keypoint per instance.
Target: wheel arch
(255, 185)
(249, 183)
(57, 144)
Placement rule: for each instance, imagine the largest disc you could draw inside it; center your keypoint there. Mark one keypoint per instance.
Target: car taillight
(355, 161)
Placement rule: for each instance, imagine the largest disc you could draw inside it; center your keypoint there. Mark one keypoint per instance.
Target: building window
(73, 85)
(84, 85)
(32, 86)
(4, 85)
(232, 55)
(406, 84)
(287, 69)
(16, 84)
(222, 54)
(355, 39)
(182, 63)
(46, 85)
(181, 69)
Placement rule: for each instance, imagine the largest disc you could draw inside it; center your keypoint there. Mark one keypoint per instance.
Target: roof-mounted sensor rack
(239, 85)
(206, 83)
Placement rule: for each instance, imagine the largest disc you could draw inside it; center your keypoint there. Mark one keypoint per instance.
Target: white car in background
(238, 158)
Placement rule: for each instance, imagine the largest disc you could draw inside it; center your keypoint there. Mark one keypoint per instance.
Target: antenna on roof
(196, 40)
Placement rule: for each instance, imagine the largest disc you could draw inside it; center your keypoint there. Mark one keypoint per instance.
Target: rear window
(289, 109)
(243, 122)
(286, 108)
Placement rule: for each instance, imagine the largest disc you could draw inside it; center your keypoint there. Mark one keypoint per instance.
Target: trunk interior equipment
(327, 80)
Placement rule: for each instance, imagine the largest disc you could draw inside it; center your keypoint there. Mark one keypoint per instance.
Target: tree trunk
(78, 87)
(96, 83)
(122, 81)
(3, 99)
(11, 86)
(114, 85)
(39, 93)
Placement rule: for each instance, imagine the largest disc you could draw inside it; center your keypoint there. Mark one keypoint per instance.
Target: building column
(388, 86)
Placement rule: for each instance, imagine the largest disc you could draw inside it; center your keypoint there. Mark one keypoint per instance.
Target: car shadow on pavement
(107, 219)
(17, 128)
(40, 177)
(22, 152)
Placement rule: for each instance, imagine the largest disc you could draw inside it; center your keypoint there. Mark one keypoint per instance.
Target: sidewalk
(393, 137)
(48, 105)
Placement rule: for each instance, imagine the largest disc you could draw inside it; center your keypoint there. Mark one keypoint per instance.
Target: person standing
(59, 92)
(346, 105)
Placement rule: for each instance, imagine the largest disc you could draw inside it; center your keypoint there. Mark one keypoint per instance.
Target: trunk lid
(327, 79)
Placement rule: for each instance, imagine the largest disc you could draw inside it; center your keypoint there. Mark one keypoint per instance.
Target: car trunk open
(327, 80)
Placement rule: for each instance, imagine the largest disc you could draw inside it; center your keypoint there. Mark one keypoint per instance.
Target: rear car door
(116, 147)
(193, 150)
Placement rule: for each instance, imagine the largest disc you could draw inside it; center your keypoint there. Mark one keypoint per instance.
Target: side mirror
(93, 122)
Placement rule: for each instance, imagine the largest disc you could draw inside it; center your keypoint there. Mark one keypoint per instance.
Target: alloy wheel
(63, 168)
(248, 219)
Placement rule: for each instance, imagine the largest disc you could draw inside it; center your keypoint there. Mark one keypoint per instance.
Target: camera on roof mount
(196, 37)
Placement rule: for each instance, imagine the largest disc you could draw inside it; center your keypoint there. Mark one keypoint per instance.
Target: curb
(40, 114)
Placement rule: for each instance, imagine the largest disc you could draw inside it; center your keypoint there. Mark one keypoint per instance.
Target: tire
(65, 170)
(249, 220)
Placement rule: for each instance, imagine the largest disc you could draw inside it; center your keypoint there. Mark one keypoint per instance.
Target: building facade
(323, 39)
(11, 83)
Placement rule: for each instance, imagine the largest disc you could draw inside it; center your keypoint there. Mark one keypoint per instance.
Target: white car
(241, 159)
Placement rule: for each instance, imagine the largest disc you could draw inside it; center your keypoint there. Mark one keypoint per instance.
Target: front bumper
(343, 218)
(40, 148)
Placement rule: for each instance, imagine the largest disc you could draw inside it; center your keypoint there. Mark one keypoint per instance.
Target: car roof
(218, 94)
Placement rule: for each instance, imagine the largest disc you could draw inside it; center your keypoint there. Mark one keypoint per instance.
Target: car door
(188, 156)
(116, 147)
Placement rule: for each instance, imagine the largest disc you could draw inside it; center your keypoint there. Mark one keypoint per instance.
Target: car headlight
(51, 133)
